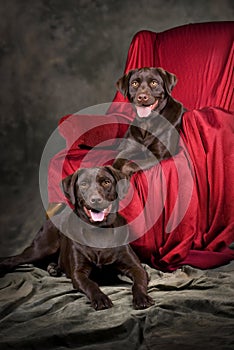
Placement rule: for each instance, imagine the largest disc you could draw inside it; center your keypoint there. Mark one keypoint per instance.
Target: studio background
(58, 57)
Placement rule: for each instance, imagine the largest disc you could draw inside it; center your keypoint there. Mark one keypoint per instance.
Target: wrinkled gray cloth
(193, 309)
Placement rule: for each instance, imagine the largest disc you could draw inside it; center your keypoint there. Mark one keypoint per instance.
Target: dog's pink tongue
(97, 216)
(143, 112)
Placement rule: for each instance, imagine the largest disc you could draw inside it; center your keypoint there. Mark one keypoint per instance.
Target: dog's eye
(106, 183)
(84, 184)
(154, 83)
(134, 83)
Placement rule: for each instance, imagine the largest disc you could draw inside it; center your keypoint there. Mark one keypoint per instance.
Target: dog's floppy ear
(122, 83)
(169, 79)
(68, 185)
(121, 179)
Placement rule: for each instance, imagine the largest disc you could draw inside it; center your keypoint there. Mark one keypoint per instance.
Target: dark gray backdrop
(57, 57)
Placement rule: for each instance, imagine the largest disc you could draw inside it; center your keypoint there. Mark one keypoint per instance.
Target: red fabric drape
(200, 206)
(182, 210)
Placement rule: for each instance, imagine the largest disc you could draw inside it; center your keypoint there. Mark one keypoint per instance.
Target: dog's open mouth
(97, 215)
(145, 111)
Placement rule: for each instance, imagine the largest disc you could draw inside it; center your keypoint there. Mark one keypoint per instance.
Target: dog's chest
(100, 257)
(142, 135)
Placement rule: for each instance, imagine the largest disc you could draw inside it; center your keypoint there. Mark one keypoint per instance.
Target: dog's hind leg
(54, 270)
(44, 244)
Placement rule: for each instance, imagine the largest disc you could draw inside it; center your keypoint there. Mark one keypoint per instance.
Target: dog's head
(95, 192)
(147, 88)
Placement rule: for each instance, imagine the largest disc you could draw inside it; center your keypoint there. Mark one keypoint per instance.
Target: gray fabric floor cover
(193, 309)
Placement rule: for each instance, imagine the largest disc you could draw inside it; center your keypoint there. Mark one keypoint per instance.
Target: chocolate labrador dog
(153, 135)
(94, 194)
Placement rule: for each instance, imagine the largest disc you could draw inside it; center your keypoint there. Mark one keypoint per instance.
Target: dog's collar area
(95, 215)
(112, 232)
(145, 111)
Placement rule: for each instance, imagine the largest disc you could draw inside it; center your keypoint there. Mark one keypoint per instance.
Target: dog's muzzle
(145, 111)
(96, 215)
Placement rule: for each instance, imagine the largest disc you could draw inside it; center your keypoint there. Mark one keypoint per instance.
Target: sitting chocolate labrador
(94, 193)
(153, 135)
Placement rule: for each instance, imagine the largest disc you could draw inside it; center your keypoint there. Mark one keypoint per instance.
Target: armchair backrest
(200, 55)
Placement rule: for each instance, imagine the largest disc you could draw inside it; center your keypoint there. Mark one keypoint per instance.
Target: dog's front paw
(142, 301)
(129, 168)
(101, 302)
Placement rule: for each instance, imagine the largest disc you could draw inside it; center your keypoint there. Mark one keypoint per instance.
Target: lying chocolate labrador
(153, 135)
(94, 193)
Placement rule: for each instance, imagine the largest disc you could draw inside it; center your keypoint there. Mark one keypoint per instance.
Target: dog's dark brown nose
(95, 199)
(142, 98)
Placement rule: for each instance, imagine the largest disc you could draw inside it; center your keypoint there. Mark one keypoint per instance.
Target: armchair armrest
(91, 130)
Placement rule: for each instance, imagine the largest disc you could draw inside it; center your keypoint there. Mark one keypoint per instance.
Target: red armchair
(182, 210)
